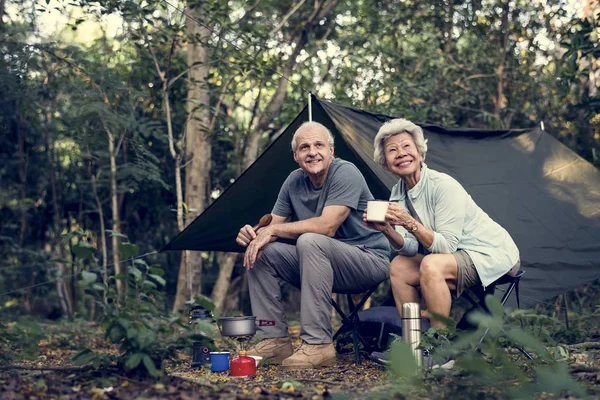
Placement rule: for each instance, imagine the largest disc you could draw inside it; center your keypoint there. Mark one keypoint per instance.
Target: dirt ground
(51, 376)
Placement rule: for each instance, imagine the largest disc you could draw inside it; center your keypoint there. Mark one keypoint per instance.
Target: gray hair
(311, 125)
(395, 127)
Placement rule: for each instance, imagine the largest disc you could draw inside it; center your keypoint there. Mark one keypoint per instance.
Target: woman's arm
(405, 245)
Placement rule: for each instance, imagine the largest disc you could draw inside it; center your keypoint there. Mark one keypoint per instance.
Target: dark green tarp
(545, 195)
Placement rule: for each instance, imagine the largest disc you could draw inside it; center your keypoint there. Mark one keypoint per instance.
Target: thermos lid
(411, 310)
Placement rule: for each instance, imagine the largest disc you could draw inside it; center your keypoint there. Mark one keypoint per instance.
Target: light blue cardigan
(446, 208)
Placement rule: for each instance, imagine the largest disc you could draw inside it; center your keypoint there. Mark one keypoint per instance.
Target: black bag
(378, 326)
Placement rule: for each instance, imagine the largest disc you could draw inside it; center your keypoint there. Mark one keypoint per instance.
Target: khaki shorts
(467, 276)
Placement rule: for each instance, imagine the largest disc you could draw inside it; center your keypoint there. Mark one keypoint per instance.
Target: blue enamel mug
(219, 361)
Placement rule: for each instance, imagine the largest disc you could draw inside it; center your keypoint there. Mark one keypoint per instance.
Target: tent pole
(309, 106)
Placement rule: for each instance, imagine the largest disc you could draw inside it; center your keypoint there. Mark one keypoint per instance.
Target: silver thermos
(411, 329)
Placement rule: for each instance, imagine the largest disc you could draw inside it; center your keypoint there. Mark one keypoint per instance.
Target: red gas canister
(242, 365)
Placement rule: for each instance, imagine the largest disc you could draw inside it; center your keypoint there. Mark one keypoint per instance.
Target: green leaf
(146, 338)
(88, 277)
(141, 262)
(83, 249)
(149, 284)
(494, 305)
(204, 302)
(157, 271)
(132, 333)
(116, 333)
(112, 233)
(449, 322)
(129, 250)
(159, 280)
(524, 339)
(83, 357)
(403, 362)
(137, 274)
(149, 364)
(133, 361)
(98, 286)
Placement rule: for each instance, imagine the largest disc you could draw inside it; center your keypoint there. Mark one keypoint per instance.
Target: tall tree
(197, 143)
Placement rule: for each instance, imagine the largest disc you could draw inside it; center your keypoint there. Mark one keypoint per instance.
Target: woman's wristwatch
(412, 226)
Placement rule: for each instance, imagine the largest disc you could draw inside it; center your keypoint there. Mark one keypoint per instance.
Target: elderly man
(334, 252)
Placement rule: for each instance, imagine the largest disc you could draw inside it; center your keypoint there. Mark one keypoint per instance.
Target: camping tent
(545, 195)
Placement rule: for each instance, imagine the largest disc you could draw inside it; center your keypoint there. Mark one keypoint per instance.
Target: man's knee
(268, 255)
(310, 241)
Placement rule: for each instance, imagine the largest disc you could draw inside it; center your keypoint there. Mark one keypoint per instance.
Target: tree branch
(286, 18)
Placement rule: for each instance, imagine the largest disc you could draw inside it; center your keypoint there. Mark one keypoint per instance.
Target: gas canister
(242, 365)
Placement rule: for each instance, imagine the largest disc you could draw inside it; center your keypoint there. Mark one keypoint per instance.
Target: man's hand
(381, 227)
(245, 236)
(263, 238)
(397, 215)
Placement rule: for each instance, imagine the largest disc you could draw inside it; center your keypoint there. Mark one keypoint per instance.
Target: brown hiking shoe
(272, 350)
(311, 356)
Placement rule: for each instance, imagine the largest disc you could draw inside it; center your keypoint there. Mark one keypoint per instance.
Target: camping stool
(351, 321)
(513, 284)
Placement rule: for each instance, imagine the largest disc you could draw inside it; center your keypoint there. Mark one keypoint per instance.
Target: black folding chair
(479, 302)
(351, 322)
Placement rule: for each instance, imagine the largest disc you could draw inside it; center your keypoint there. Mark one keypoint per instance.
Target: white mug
(376, 210)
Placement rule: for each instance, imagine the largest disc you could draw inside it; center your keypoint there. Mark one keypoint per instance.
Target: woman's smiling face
(401, 155)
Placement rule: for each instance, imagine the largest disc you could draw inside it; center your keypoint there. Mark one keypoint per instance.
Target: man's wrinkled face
(313, 152)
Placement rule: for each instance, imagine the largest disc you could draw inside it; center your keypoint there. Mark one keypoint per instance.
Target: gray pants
(318, 265)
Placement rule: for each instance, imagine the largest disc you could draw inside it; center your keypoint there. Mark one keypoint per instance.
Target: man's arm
(326, 224)
(248, 234)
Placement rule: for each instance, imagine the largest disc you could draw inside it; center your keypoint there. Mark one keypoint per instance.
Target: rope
(234, 45)
(70, 275)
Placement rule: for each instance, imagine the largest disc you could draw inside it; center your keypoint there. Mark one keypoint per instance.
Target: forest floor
(51, 376)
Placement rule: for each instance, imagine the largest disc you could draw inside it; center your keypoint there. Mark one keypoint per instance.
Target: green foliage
(145, 332)
(488, 363)
(20, 339)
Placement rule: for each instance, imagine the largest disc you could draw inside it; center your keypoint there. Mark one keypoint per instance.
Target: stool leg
(519, 302)
(354, 321)
(356, 344)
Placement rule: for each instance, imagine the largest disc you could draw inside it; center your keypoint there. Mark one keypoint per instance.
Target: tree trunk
(197, 147)
(226, 263)
(500, 98)
(62, 291)
(23, 179)
(114, 197)
(102, 235)
(449, 24)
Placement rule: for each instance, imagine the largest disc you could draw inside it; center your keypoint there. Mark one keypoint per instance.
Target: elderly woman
(444, 241)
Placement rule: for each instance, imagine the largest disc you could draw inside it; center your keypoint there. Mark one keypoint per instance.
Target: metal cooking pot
(237, 326)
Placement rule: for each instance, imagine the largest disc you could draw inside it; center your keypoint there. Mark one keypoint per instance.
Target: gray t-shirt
(344, 186)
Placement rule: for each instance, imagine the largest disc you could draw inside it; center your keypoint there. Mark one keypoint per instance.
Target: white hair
(395, 127)
(311, 125)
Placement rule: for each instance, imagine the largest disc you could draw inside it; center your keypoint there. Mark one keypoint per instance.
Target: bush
(146, 333)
